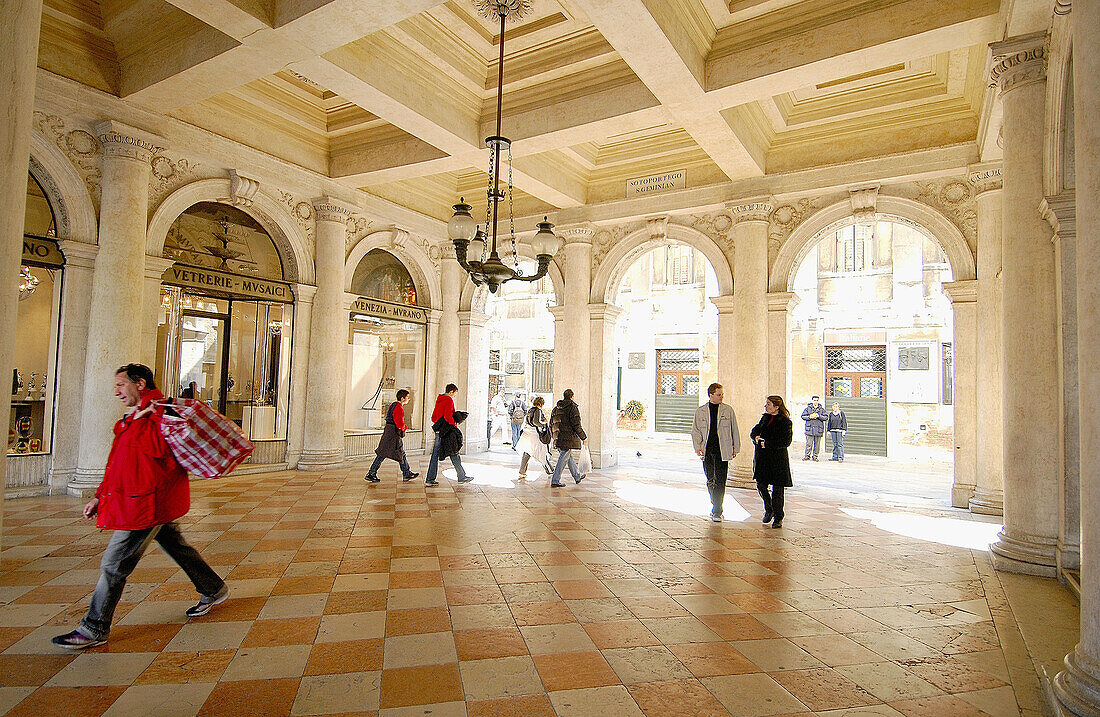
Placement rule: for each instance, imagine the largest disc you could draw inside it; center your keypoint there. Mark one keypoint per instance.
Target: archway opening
(521, 344)
(871, 336)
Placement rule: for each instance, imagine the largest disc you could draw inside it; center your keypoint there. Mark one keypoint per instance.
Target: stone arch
(75, 215)
(613, 268)
(410, 254)
(289, 238)
(475, 298)
(934, 224)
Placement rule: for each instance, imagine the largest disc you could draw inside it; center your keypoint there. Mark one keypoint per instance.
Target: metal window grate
(542, 371)
(855, 359)
(678, 359)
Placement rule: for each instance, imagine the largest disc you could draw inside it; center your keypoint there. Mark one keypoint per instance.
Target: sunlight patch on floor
(687, 501)
(485, 474)
(960, 533)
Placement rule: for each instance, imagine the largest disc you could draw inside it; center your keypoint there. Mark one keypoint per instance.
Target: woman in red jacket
(144, 490)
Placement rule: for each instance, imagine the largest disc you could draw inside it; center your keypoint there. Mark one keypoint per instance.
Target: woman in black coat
(771, 464)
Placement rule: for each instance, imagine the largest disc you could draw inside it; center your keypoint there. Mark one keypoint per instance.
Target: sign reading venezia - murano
(386, 310)
(656, 183)
(249, 287)
(41, 252)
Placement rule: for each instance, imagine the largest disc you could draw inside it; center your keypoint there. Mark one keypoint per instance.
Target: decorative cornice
(605, 312)
(304, 293)
(1063, 7)
(962, 292)
(155, 266)
(327, 209)
(758, 209)
(78, 253)
(1061, 212)
(864, 202)
(122, 140)
(242, 189)
(984, 178)
(1019, 61)
(447, 251)
(725, 304)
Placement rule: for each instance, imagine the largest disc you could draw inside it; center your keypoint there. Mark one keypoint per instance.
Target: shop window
(678, 372)
(381, 275)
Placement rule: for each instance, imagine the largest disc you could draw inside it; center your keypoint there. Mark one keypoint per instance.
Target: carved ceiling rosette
(79, 145)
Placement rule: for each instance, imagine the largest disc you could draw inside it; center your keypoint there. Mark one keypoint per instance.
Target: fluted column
(20, 21)
(299, 371)
(598, 417)
(1078, 685)
(1029, 330)
(1060, 211)
(328, 342)
(574, 350)
(155, 266)
(750, 321)
(452, 278)
(964, 303)
(118, 287)
(988, 498)
(473, 378)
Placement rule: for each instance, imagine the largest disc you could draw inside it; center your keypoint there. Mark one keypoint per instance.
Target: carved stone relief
(716, 225)
(955, 198)
(358, 227)
(167, 175)
(602, 242)
(785, 219)
(79, 145)
(302, 212)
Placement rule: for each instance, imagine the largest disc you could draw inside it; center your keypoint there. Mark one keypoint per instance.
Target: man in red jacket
(144, 490)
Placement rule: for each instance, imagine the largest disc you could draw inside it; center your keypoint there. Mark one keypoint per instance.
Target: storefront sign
(248, 287)
(386, 310)
(42, 252)
(656, 183)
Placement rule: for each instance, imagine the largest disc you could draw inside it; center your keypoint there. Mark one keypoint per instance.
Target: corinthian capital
(122, 140)
(1019, 61)
(327, 209)
(757, 209)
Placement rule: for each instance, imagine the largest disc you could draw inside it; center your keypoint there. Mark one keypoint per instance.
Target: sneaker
(205, 603)
(466, 479)
(409, 477)
(77, 640)
(815, 458)
(767, 517)
(715, 518)
(578, 480)
(431, 482)
(373, 479)
(556, 485)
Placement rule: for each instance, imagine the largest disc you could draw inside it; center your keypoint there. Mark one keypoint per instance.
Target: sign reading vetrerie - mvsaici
(656, 183)
(235, 285)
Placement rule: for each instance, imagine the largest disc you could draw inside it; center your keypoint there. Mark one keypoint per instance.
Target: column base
(605, 459)
(987, 503)
(1026, 555)
(475, 446)
(741, 477)
(961, 495)
(85, 482)
(320, 460)
(1076, 688)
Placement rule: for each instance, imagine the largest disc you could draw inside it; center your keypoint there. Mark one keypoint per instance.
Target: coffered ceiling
(396, 96)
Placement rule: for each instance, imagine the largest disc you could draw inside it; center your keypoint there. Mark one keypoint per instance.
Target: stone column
(77, 287)
(20, 21)
(988, 498)
(750, 359)
(427, 400)
(1029, 331)
(964, 302)
(452, 279)
(1060, 211)
(560, 377)
(299, 371)
(473, 378)
(1078, 685)
(574, 350)
(323, 446)
(780, 304)
(598, 417)
(155, 266)
(118, 287)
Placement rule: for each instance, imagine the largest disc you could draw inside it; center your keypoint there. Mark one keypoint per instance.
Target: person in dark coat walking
(838, 428)
(390, 445)
(568, 435)
(445, 425)
(814, 416)
(771, 464)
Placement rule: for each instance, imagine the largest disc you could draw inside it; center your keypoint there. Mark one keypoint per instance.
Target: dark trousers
(773, 502)
(813, 446)
(404, 463)
(716, 471)
(121, 557)
(433, 463)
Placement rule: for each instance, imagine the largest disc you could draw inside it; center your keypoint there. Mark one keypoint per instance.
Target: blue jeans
(404, 463)
(565, 457)
(838, 444)
(433, 464)
(517, 428)
(121, 557)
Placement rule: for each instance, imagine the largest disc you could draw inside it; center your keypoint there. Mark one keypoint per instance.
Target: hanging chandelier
(28, 282)
(475, 248)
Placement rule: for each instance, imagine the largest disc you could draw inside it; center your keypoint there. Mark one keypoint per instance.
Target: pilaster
(155, 266)
(964, 302)
(473, 378)
(299, 371)
(780, 304)
(599, 415)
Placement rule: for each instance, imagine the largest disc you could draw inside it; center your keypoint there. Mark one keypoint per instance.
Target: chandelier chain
(489, 194)
(511, 218)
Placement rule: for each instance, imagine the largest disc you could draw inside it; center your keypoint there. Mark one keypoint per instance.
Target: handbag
(544, 434)
(584, 460)
(202, 440)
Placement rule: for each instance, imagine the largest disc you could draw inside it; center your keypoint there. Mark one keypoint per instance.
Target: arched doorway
(225, 327)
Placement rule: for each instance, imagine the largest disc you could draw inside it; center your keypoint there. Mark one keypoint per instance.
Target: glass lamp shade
(545, 241)
(476, 249)
(461, 227)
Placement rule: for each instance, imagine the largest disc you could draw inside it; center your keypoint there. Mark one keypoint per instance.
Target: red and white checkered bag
(203, 441)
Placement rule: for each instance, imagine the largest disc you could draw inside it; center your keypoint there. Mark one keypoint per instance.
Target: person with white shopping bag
(144, 491)
(568, 436)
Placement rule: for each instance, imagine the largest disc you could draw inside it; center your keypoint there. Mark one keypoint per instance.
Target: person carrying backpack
(517, 411)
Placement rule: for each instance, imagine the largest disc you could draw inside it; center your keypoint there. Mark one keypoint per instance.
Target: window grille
(494, 360)
(542, 371)
(855, 359)
(678, 359)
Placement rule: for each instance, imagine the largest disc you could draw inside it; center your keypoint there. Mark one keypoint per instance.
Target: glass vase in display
(23, 431)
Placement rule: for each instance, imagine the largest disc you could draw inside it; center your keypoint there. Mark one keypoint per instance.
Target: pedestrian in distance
(445, 426)
(771, 466)
(814, 416)
(838, 428)
(391, 445)
(717, 441)
(568, 436)
(143, 492)
(498, 416)
(517, 412)
(535, 439)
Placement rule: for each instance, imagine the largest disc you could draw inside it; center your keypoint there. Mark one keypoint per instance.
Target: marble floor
(496, 598)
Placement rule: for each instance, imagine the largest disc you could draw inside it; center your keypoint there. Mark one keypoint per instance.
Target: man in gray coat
(716, 440)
